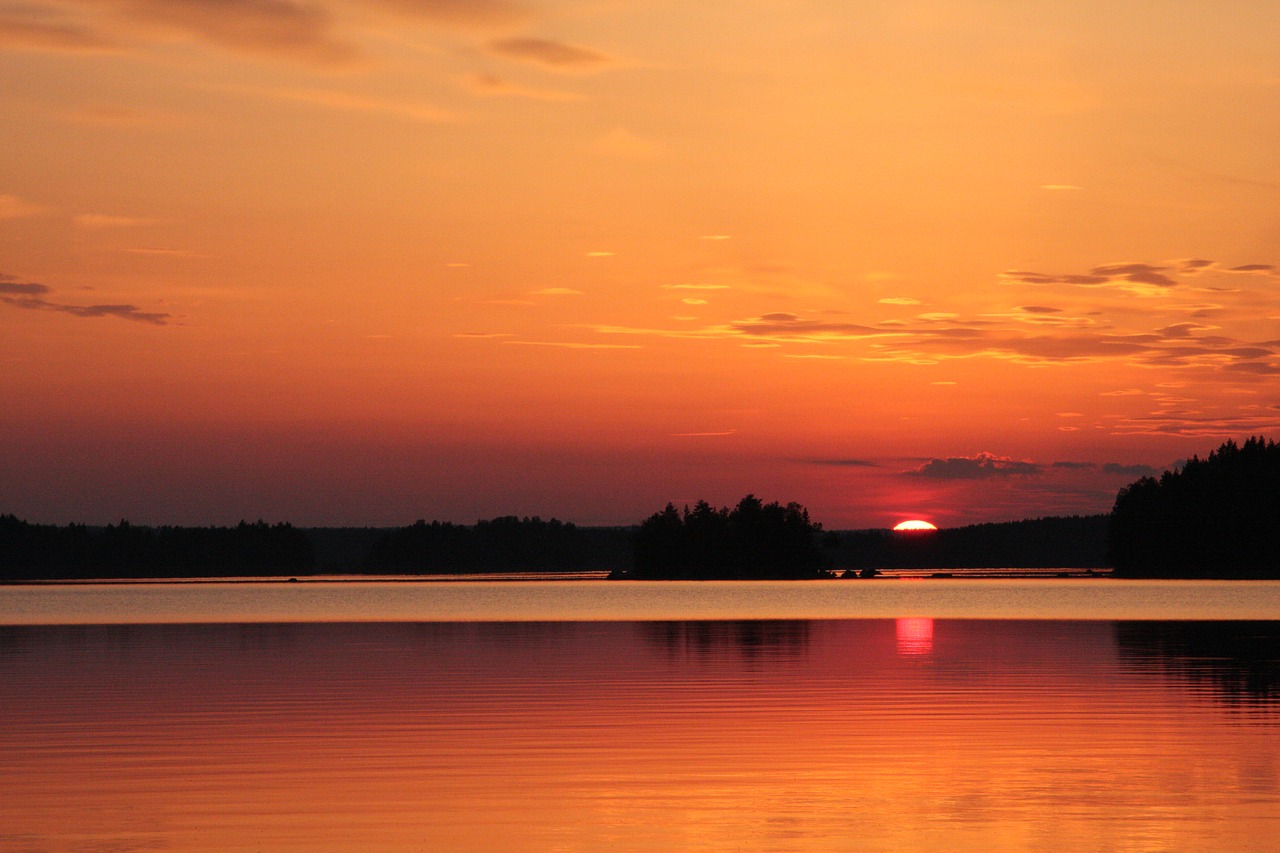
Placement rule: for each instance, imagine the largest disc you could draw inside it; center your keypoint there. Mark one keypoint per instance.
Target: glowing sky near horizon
(367, 261)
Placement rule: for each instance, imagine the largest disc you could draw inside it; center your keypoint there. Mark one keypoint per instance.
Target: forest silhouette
(124, 550)
(1212, 517)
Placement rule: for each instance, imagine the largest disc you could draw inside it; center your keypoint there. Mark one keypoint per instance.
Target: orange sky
(365, 261)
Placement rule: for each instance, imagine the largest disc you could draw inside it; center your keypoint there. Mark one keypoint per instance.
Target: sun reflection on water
(915, 636)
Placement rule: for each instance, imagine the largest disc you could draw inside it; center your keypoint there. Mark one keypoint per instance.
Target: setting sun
(915, 524)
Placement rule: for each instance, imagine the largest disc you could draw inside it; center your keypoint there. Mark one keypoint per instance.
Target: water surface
(419, 600)
(902, 733)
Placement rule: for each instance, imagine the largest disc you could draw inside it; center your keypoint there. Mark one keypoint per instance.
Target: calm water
(547, 732)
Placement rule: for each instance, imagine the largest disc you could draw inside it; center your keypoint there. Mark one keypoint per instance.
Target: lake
(585, 715)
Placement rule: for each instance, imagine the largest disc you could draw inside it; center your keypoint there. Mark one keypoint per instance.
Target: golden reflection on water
(693, 735)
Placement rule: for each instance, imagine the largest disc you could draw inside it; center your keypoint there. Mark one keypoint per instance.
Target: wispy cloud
(946, 336)
(843, 463)
(1141, 278)
(163, 252)
(1220, 423)
(550, 54)
(461, 13)
(284, 29)
(99, 221)
(573, 345)
(13, 207)
(122, 311)
(557, 291)
(22, 33)
(716, 434)
(489, 85)
(30, 295)
(1107, 275)
(352, 102)
(622, 142)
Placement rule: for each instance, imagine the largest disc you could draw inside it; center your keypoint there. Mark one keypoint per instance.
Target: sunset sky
(368, 261)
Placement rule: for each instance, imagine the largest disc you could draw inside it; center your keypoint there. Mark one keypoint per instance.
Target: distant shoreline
(553, 577)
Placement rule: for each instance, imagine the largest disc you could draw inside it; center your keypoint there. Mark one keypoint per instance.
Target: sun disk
(914, 524)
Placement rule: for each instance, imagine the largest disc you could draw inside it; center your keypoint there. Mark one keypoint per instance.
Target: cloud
(843, 463)
(281, 28)
(549, 54)
(491, 86)
(30, 295)
(464, 13)
(1138, 273)
(160, 252)
(703, 434)
(573, 345)
(13, 207)
(900, 300)
(1122, 275)
(97, 221)
(621, 142)
(557, 291)
(1035, 334)
(22, 34)
(791, 327)
(1110, 468)
(1191, 266)
(1136, 277)
(350, 102)
(1128, 470)
(13, 285)
(981, 466)
(1256, 367)
(1066, 187)
(1188, 424)
(695, 287)
(484, 335)
(124, 312)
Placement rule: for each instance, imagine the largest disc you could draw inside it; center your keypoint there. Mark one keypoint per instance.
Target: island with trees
(752, 541)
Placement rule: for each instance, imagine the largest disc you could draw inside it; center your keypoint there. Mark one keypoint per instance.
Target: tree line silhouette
(1215, 517)
(1056, 542)
(504, 544)
(39, 551)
